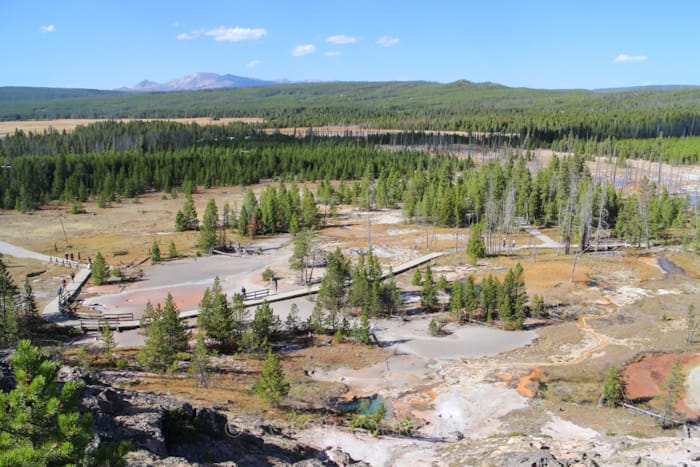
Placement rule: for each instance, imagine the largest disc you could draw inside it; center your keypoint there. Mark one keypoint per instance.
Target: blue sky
(539, 44)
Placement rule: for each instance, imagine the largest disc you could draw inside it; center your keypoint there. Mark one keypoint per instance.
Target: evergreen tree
(228, 216)
(292, 320)
(9, 298)
(457, 300)
(476, 248)
(247, 218)
(242, 226)
(199, 363)
(188, 215)
(99, 270)
(537, 307)
(417, 278)
(303, 257)
(216, 316)
(10, 328)
(360, 290)
(40, 424)
(670, 392)
(470, 298)
(108, 342)
(428, 297)
(155, 252)
(262, 327)
(272, 384)
(505, 312)
(8, 289)
(269, 210)
(179, 221)
(317, 319)
(333, 292)
(364, 329)
(519, 291)
(389, 296)
(309, 211)
(373, 272)
(166, 336)
(172, 250)
(441, 283)
(207, 232)
(613, 392)
(29, 308)
(239, 315)
(489, 296)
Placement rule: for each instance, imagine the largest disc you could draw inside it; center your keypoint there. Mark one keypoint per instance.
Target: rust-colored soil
(644, 378)
(526, 382)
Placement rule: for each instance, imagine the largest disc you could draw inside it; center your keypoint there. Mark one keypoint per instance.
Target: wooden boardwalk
(253, 298)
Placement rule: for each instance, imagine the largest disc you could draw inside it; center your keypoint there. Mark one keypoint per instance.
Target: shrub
(268, 274)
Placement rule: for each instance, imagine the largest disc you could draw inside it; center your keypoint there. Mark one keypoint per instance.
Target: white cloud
(387, 41)
(624, 58)
(186, 36)
(341, 39)
(223, 34)
(332, 53)
(236, 34)
(300, 50)
(47, 28)
(253, 63)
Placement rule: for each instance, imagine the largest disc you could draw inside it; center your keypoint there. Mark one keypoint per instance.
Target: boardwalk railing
(257, 294)
(112, 320)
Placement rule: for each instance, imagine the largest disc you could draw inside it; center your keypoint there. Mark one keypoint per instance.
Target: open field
(537, 386)
(68, 124)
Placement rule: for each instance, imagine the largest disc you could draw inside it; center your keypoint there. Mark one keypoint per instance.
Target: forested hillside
(536, 116)
(110, 160)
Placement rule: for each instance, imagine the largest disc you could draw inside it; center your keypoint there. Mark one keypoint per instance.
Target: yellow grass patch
(8, 127)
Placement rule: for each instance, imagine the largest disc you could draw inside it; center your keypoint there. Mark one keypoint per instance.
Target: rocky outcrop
(7, 379)
(163, 431)
(167, 432)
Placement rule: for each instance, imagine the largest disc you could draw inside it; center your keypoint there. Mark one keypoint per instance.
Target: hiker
(60, 289)
(72, 277)
(63, 282)
(243, 292)
(71, 256)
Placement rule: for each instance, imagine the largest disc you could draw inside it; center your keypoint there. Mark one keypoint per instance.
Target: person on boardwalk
(72, 277)
(243, 292)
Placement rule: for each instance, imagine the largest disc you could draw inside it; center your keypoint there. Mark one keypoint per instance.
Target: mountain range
(198, 81)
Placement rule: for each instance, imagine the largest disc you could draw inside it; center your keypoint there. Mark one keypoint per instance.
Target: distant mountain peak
(199, 81)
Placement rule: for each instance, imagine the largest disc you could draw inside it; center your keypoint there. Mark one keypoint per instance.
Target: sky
(106, 44)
